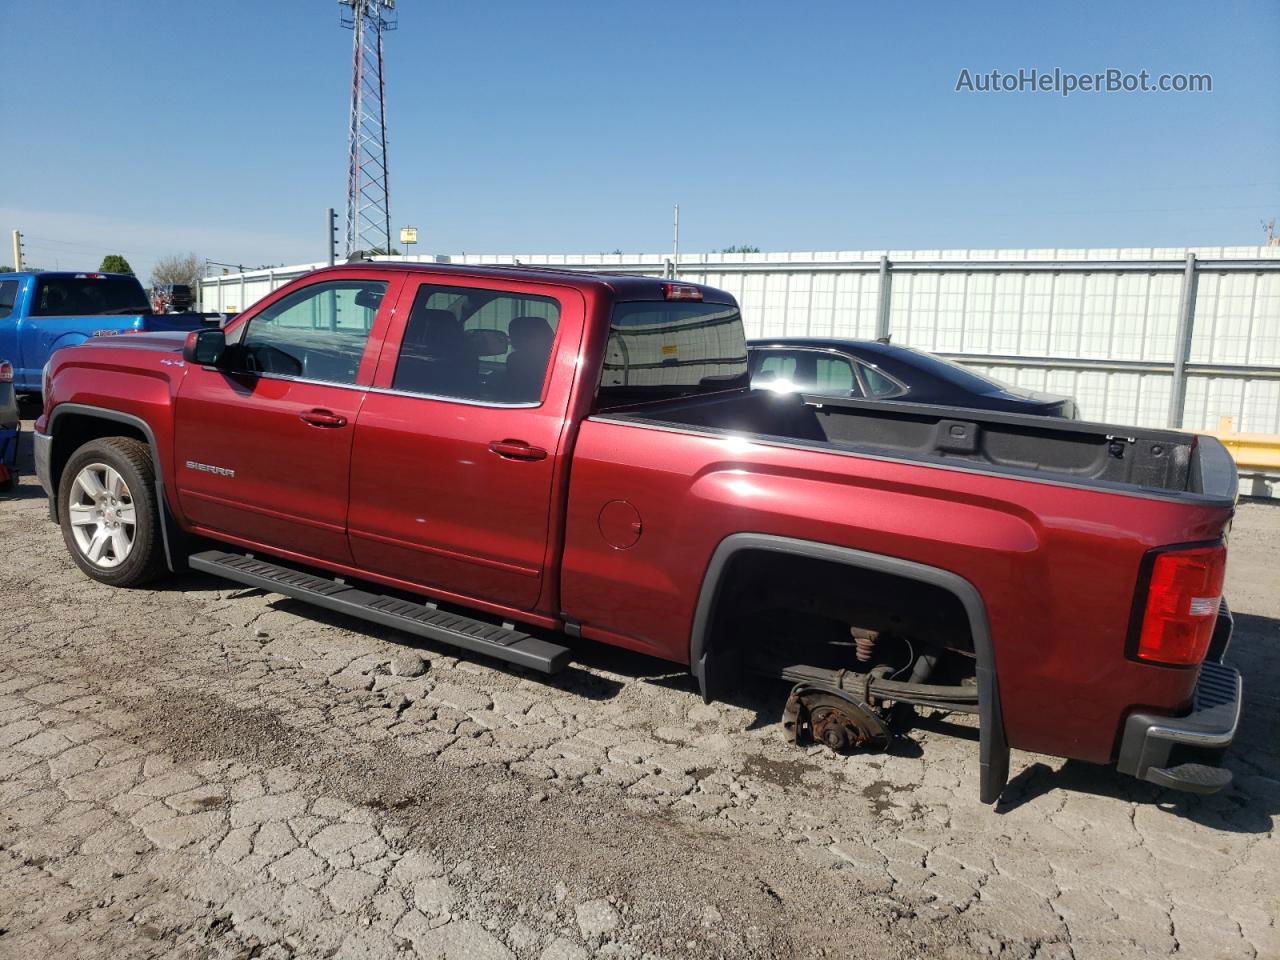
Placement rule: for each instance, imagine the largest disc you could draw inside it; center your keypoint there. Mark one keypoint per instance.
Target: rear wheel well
(776, 606)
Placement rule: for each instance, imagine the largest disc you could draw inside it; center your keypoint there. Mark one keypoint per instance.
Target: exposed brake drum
(834, 718)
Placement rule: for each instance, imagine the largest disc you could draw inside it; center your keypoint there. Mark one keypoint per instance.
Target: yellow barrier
(1252, 451)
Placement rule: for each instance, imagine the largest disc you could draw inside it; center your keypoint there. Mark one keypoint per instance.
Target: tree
(114, 263)
(5, 268)
(741, 249)
(178, 268)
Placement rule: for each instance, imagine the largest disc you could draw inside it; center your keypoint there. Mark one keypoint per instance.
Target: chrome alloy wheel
(103, 520)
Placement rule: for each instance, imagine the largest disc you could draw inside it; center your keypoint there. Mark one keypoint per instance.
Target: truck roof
(15, 274)
(623, 286)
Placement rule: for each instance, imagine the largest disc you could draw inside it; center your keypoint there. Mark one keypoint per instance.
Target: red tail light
(6, 371)
(1182, 605)
(681, 291)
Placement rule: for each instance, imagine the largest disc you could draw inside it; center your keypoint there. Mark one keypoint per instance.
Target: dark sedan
(881, 371)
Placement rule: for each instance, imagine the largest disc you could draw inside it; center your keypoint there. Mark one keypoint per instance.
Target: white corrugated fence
(1102, 325)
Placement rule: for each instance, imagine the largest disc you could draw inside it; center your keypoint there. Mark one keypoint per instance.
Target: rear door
(263, 448)
(457, 448)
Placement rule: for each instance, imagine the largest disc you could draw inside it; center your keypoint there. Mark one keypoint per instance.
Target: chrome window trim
(388, 391)
(494, 404)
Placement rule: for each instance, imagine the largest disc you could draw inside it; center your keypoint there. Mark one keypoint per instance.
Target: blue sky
(220, 127)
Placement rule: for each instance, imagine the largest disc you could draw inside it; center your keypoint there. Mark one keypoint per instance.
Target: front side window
(8, 297)
(467, 343)
(317, 333)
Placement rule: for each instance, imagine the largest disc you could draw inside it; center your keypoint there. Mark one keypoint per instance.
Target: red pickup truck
(504, 458)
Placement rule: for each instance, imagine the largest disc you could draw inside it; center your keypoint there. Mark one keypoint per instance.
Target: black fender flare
(167, 522)
(993, 746)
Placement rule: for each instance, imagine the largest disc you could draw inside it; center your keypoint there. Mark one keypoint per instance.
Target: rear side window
(662, 349)
(87, 294)
(468, 343)
(879, 385)
(775, 368)
(804, 371)
(8, 297)
(316, 333)
(834, 376)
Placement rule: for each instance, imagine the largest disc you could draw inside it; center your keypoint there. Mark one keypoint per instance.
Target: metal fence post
(1182, 343)
(882, 301)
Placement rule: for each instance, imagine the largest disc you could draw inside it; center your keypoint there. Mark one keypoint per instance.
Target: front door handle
(517, 450)
(323, 418)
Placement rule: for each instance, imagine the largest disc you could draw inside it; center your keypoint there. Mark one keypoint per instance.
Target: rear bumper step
(1194, 743)
(474, 636)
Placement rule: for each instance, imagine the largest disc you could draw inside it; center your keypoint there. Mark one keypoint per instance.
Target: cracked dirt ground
(200, 770)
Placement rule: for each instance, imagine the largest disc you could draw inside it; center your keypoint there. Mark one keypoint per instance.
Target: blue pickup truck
(41, 312)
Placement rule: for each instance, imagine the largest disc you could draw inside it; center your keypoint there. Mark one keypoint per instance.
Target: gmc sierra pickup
(505, 459)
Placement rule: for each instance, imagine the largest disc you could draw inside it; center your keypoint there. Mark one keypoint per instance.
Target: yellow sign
(408, 234)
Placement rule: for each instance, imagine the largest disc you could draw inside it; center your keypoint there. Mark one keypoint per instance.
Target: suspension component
(833, 717)
(864, 642)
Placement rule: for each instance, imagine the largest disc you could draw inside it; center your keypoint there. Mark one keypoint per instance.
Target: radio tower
(368, 197)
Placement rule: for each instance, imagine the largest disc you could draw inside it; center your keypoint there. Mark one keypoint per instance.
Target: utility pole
(368, 194)
(17, 250)
(675, 244)
(331, 228)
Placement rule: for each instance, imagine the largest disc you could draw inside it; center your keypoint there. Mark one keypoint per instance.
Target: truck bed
(1133, 460)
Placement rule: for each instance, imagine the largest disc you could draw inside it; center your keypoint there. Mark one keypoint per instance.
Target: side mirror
(205, 347)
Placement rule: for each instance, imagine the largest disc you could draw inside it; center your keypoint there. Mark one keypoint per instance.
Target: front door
(457, 450)
(263, 446)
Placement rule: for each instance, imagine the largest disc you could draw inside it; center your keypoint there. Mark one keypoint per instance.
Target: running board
(419, 619)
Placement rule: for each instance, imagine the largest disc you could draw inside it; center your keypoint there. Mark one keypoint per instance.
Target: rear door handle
(517, 450)
(323, 418)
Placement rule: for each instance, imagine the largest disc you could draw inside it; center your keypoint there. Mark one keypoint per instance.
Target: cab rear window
(79, 295)
(660, 350)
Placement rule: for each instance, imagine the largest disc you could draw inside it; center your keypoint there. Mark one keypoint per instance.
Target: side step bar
(419, 619)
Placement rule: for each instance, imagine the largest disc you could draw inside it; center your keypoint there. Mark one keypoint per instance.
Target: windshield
(84, 294)
(658, 350)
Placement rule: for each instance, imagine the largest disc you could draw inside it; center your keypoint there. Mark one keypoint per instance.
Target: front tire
(109, 513)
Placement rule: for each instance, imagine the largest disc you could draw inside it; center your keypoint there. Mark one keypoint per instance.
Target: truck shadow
(572, 679)
(1251, 804)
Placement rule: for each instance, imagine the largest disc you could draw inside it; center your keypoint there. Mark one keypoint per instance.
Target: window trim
(388, 391)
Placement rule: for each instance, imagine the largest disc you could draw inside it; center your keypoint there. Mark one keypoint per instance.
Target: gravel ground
(205, 771)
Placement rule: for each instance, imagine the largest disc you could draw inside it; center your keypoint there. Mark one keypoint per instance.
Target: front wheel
(109, 514)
